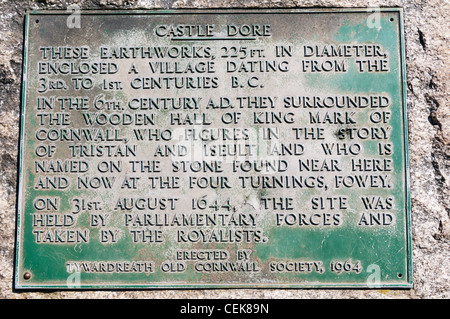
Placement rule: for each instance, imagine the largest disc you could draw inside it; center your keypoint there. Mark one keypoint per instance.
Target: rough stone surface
(428, 56)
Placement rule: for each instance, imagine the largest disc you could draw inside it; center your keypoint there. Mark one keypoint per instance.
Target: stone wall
(427, 57)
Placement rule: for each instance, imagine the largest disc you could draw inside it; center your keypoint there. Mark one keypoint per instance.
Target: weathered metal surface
(235, 148)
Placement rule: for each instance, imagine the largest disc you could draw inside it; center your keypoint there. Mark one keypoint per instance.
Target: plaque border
(18, 282)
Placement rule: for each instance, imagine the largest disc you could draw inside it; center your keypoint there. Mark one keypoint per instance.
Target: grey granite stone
(427, 32)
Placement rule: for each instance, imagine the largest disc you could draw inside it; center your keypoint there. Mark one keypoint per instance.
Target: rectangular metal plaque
(206, 149)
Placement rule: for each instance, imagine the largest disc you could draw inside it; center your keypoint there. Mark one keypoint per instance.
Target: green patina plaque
(214, 149)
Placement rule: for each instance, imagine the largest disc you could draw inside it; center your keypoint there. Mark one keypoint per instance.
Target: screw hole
(391, 19)
(37, 21)
(399, 275)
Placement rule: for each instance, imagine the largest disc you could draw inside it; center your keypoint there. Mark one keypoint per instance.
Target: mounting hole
(27, 275)
(400, 275)
(37, 20)
(391, 19)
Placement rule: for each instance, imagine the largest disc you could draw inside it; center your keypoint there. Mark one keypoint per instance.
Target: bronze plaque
(208, 149)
